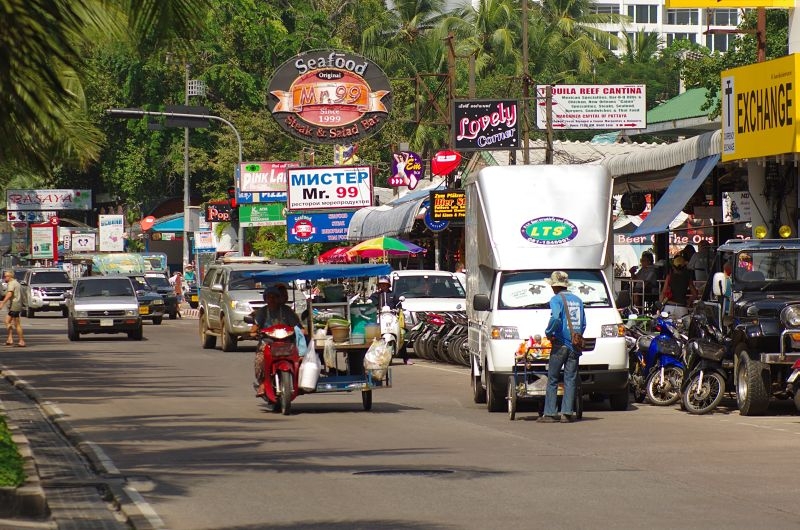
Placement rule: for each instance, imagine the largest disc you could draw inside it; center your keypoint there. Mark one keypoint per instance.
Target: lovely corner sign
(485, 124)
(330, 97)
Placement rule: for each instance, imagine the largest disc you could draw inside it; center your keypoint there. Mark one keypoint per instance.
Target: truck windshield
(756, 267)
(528, 289)
(49, 277)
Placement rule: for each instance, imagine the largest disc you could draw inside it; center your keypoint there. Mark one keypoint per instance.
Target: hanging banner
(593, 106)
(112, 233)
(320, 188)
(317, 227)
(330, 97)
(407, 170)
(485, 124)
(44, 243)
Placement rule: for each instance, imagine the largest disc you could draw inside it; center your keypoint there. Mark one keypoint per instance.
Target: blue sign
(247, 197)
(433, 226)
(317, 227)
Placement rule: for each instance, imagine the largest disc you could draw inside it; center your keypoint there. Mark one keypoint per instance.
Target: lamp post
(138, 113)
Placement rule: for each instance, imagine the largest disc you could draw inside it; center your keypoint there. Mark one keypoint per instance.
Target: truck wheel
(157, 320)
(137, 334)
(206, 341)
(228, 340)
(620, 400)
(512, 398)
(71, 333)
(478, 392)
(495, 394)
(751, 386)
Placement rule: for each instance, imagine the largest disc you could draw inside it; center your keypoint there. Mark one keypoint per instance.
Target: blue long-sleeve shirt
(558, 329)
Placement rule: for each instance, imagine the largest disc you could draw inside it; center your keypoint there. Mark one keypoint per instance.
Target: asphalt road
(181, 423)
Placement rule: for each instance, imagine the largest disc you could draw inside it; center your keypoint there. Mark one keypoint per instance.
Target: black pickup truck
(753, 294)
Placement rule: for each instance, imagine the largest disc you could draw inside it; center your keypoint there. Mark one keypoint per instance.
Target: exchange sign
(320, 188)
(759, 109)
(330, 97)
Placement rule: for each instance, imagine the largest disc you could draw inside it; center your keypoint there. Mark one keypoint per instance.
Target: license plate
(144, 310)
(106, 322)
(194, 298)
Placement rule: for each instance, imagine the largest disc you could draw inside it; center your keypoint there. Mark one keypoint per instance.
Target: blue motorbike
(662, 358)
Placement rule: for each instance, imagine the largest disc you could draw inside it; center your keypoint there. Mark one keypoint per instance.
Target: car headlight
(131, 312)
(158, 302)
(240, 306)
(81, 314)
(612, 330)
(790, 316)
(504, 333)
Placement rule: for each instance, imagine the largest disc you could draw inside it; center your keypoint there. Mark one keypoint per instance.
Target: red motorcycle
(281, 366)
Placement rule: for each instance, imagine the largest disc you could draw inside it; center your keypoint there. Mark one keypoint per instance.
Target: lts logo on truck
(549, 230)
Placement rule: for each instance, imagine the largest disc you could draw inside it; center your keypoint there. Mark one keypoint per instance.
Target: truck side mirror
(718, 284)
(480, 302)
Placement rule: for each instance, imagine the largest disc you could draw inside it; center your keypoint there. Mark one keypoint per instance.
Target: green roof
(681, 107)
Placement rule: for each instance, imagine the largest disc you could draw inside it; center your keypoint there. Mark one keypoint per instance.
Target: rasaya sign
(759, 109)
(330, 96)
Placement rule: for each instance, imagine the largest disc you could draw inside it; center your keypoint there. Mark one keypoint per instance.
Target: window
(723, 17)
(604, 9)
(679, 36)
(718, 42)
(643, 14)
(49, 277)
(683, 16)
(529, 290)
(428, 287)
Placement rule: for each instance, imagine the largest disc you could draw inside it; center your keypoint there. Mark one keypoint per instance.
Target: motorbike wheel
(512, 398)
(366, 399)
(666, 392)
(286, 393)
(206, 341)
(751, 386)
(705, 398)
(637, 384)
(418, 348)
(797, 401)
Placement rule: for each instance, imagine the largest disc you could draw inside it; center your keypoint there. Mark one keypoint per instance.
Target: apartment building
(652, 16)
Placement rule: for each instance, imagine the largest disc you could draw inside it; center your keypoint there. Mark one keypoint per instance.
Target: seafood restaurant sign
(330, 97)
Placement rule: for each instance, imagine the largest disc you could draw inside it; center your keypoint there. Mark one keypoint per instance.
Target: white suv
(428, 290)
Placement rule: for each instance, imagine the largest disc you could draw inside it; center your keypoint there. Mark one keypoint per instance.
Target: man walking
(566, 317)
(13, 298)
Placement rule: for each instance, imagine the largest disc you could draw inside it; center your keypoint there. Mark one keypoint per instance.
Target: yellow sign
(730, 4)
(759, 109)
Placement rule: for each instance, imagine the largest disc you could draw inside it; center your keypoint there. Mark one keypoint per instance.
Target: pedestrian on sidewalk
(13, 298)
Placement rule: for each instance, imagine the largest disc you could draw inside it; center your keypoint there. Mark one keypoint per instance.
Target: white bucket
(308, 375)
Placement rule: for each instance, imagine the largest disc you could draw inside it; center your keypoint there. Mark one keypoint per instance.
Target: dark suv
(45, 290)
(758, 307)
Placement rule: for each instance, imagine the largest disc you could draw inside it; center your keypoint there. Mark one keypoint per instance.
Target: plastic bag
(310, 368)
(300, 340)
(378, 358)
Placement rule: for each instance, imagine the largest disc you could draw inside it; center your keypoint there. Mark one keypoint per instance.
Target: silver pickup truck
(104, 304)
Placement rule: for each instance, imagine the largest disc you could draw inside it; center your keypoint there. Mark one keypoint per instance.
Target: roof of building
(686, 105)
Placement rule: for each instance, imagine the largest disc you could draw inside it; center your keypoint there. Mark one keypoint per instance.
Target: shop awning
(169, 224)
(392, 219)
(689, 179)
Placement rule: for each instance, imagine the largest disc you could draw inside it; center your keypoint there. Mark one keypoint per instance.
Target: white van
(522, 223)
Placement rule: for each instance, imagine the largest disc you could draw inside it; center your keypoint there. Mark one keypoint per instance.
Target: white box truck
(522, 223)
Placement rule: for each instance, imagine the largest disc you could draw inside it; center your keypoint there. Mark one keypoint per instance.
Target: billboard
(593, 106)
(330, 97)
(112, 233)
(320, 188)
(37, 200)
(485, 124)
(448, 205)
(759, 110)
(269, 214)
(263, 181)
(317, 227)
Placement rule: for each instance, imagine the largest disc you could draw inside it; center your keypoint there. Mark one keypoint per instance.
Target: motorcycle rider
(384, 296)
(271, 313)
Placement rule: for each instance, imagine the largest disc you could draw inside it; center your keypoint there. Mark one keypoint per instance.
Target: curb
(29, 499)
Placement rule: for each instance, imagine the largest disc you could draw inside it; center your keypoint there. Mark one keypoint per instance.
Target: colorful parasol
(335, 255)
(385, 246)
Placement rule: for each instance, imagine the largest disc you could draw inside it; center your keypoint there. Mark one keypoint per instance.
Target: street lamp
(138, 113)
(193, 87)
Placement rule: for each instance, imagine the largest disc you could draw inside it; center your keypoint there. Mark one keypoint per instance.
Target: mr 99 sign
(320, 188)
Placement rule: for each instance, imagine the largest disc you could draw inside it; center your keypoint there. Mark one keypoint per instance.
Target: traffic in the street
(180, 425)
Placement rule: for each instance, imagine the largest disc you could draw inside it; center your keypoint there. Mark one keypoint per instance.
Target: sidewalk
(71, 484)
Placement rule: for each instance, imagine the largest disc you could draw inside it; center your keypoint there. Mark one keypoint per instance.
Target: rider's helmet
(385, 280)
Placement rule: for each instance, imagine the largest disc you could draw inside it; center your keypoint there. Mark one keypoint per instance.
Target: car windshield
(104, 288)
(755, 268)
(428, 286)
(140, 283)
(240, 280)
(528, 289)
(158, 281)
(49, 277)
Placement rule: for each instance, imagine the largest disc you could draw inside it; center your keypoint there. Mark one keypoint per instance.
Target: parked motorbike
(706, 378)
(281, 365)
(636, 330)
(664, 365)
(793, 384)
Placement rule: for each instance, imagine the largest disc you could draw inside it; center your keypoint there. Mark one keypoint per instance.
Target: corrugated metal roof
(666, 156)
(686, 105)
(566, 152)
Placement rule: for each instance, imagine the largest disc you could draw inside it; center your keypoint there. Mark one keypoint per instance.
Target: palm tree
(641, 47)
(41, 103)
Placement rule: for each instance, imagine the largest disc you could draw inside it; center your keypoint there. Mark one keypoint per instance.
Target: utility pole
(186, 199)
(526, 157)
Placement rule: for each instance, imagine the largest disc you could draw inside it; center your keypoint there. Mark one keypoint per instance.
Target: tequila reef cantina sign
(330, 96)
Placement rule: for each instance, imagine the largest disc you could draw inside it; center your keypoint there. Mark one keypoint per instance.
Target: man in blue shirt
(563, 305)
